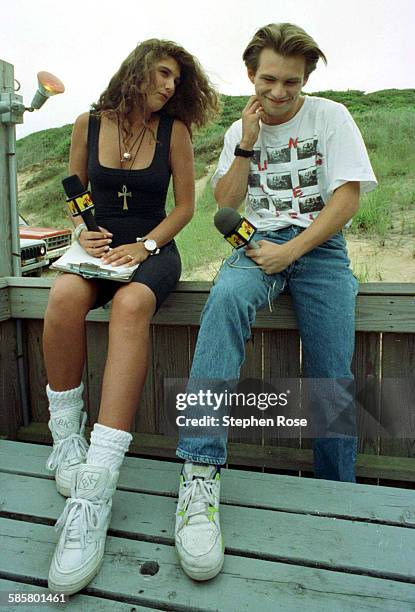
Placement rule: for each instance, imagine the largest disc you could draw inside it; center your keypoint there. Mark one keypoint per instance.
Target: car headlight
(42, 250)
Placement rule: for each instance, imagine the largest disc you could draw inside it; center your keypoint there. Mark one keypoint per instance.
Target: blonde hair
(286, 39)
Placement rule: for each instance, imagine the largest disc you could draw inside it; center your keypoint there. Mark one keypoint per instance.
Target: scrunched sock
(108, 446)
(64, 400)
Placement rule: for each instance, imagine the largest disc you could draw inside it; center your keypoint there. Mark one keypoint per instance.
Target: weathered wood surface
(10, 411)
(384, 468)
(398, 368)
(366, 369)
(287, 545)
(5, 313)
(270, 354)
(245, 488)
(376, 311)
(282, 359)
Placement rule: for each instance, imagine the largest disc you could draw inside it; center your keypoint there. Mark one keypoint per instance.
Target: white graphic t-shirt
(297, 165)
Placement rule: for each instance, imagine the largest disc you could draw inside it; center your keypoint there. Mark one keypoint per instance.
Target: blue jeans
(323, 291)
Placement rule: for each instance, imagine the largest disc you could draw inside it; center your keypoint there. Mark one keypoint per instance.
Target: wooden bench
(291, 543)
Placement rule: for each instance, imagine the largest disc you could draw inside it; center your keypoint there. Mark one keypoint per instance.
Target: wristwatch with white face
(150, 245)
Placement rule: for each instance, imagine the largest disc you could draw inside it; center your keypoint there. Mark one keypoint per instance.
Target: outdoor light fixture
(11, 104)
(48, 86)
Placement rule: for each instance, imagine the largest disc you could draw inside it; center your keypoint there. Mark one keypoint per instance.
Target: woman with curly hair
(134, 139)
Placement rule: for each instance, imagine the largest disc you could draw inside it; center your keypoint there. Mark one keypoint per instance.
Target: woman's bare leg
(133, 307)
(64, 350)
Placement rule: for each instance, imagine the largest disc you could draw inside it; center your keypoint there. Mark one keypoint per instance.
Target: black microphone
(237, 230)
(80, 202)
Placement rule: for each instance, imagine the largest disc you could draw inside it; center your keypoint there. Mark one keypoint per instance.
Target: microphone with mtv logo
(237, 230)
(80, 202)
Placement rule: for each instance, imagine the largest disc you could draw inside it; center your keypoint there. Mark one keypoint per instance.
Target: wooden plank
(10, 411)
(5, 312)
(398, 398)
(352, 546)
(282, 361)
(386, 288)
(378, 288)
(78, 603)
(249, 455)
(171, 360)
(253, 489)
(36, 371)
(366, 370)
(374, 312)
(385, 313)
(243, 584)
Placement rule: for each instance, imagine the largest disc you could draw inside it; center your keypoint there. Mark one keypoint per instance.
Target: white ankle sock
(62, 400)
(108, 446)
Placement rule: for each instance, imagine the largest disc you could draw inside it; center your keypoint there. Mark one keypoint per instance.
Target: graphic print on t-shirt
(287, 178)
(258, 203)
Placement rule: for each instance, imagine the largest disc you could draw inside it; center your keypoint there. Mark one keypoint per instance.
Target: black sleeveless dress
(130, 203)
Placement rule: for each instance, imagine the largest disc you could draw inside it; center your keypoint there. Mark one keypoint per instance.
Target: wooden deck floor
(292, 544)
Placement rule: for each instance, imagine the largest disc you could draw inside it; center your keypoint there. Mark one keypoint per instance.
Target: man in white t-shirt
(300, 165)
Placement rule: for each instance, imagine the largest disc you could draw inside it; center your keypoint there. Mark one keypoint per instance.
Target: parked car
(33, 256)
(57, 241)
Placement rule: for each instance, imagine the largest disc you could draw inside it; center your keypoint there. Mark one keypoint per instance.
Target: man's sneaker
(84, 522)
(198, 537)
(69, 446)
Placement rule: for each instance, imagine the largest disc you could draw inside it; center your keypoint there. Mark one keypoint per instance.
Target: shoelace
(198, 491)
(74, 444)
(78, 516)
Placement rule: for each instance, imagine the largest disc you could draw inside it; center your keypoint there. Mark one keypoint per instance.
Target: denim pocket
(335, 242)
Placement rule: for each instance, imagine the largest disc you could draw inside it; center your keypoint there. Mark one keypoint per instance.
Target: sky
(369, 43)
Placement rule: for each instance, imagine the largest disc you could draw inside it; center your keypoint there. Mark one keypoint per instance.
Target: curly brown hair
(195, 101)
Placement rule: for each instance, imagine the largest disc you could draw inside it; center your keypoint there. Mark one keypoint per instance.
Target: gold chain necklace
(124, 193)
(126, 156)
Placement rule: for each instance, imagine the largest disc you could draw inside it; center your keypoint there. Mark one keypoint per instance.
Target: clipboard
(77, 261)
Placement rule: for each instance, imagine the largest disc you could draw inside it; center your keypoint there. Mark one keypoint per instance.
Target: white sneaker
(198, 538)
(69, 446)
(84, 522)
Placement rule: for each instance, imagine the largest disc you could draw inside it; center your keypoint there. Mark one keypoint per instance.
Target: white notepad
(77, 261)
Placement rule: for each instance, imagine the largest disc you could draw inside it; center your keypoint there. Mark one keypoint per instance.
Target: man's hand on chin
(270, 257)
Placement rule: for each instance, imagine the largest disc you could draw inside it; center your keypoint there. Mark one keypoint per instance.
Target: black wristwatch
(243, 152)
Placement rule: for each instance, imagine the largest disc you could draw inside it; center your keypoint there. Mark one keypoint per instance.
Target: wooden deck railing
(385, 348)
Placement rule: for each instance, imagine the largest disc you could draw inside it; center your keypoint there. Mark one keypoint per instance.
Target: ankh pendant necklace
(126, 157)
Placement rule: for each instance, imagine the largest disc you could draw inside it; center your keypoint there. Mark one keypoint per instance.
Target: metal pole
(14, 214)
(17, 271)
